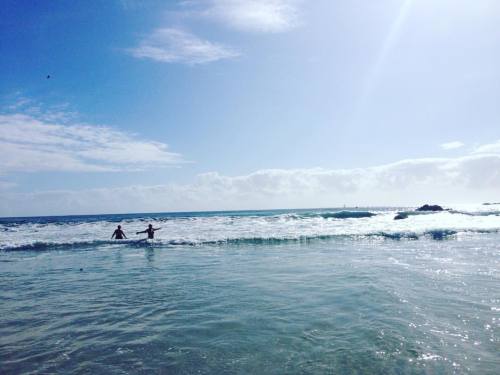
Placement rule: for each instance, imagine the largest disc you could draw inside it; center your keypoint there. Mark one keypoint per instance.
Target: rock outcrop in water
(400, 216)
(425, 208)
(430, 207)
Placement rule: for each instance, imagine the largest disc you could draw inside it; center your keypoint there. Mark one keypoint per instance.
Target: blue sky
(227, 104)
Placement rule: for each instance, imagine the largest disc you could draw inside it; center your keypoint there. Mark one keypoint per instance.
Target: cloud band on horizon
(464, 179)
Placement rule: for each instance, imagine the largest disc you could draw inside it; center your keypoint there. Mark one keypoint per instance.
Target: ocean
(320, 291)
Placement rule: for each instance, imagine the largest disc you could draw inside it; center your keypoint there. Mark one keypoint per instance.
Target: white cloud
(22, 104)
(409, 182)
(489, 148)
(19, 102)
(173, 45)
(177, 46)
(452, 145)
(255, 15)
(31, 144)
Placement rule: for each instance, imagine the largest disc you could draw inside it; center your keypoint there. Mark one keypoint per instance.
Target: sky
(147, 106)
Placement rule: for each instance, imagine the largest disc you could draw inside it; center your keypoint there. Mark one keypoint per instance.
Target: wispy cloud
(466, 179)
(177, 46)
(31, 144)
(489, 148)
(452, 145)
(19, 103)
(255, 15)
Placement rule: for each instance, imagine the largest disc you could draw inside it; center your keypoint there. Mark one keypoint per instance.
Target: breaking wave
(244, 227)
(435, 234)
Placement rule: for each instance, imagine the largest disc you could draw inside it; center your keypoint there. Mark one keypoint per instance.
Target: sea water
(340, 291)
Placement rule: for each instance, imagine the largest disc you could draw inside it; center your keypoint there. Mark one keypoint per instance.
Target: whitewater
(334, 290)
(197, 228)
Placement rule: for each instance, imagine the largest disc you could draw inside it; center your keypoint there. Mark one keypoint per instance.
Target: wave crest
(434, 234)
(338, 215)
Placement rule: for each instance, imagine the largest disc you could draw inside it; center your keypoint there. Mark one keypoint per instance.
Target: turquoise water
(339, 305)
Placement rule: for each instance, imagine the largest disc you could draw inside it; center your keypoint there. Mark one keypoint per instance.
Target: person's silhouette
(118, 233)
(150, 231)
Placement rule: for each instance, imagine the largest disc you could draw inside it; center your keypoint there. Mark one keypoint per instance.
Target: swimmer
(150, 231)
(118, 233)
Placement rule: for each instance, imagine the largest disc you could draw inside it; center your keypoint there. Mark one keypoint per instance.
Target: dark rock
(401, 216)
(429, 207)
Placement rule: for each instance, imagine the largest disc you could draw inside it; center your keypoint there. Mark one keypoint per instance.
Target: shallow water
(338, 305)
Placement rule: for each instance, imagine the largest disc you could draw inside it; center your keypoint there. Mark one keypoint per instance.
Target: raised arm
(156, 228)
(144, 231)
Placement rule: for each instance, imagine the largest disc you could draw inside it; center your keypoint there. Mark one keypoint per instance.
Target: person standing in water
(150, 231)
(118, 233)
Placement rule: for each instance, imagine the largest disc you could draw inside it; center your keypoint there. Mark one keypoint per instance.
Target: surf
(246, 227)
